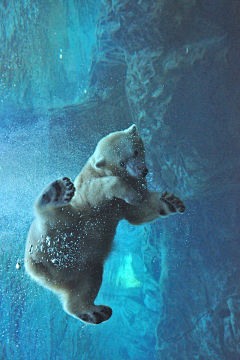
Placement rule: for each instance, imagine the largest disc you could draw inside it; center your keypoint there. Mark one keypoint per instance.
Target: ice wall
(174, 72)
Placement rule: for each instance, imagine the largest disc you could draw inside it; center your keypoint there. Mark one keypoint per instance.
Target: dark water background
(73, 71)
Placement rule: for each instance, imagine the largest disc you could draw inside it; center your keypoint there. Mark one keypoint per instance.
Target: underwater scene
(72, 72)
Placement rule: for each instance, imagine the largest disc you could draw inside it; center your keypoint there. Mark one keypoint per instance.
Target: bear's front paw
(171, 204)
(58, 193)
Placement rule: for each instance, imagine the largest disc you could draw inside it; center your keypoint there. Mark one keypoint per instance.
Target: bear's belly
(74, 246)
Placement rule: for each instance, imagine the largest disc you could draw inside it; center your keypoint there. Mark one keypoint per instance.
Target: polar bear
(72, 233)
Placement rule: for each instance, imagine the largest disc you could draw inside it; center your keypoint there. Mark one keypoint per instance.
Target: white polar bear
(75, 224)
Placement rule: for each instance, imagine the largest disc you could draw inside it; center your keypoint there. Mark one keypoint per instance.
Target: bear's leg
(78, 301)
(154, 206)
(58, 193)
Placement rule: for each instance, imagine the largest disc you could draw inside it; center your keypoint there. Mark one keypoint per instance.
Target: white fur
(74, 227)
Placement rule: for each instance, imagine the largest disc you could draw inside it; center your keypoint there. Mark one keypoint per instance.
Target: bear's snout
(136, 168)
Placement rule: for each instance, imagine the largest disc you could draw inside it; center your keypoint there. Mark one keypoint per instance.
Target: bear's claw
(58, 193)
(173, 203)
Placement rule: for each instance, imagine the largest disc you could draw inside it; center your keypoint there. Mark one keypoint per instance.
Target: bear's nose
(145, 172)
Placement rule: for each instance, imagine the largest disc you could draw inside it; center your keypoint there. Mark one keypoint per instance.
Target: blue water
(174, 284)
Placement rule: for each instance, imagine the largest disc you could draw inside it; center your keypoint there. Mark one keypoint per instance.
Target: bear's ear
(132, 129)
(100, 162)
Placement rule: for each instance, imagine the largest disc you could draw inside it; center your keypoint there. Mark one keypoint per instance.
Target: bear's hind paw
(58, 193)
(96, 315)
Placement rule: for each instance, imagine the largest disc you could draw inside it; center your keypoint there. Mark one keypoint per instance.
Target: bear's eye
(122, 163)
(135, 153)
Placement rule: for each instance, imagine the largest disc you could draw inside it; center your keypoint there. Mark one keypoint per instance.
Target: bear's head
(121, 154)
